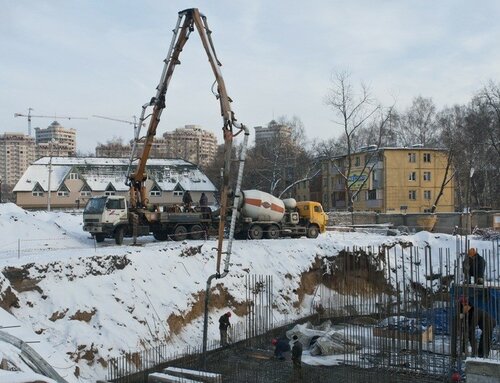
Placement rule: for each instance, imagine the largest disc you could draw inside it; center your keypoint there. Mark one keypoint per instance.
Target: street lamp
(50, 173)
(0, 189)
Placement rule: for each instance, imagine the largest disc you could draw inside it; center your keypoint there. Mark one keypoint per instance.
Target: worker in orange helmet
(223, 326)
(474, 266)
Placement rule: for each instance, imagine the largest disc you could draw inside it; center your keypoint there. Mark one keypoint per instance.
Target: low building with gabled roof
(74, 180)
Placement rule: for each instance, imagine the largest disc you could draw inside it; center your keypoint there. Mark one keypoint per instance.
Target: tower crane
(135, 123)
(30, 116)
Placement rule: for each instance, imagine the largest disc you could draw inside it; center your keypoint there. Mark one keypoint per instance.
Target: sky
(83, 58)
(132, 289)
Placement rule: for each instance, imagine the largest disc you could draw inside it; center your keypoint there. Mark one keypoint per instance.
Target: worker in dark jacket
(476, 317)
(297, 358)
(223, 325)
(474, 266)
(203, 200)
(187, 200)
(281, 346)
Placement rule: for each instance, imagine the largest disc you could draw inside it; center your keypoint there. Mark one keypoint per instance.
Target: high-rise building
(17, 152)
(266, 134)
(60, 137)
(191, 143)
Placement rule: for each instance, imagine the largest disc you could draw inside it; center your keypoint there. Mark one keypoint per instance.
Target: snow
(104, 300)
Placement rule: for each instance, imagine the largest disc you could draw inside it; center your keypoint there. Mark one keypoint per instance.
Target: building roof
(100, 173)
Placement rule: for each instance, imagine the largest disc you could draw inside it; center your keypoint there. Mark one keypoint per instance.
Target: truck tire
(196, 232)
(160, 235)
(256, 232)
(99, 237)
(273, 232)
(312, 231)
(180, 233)
(119, 234)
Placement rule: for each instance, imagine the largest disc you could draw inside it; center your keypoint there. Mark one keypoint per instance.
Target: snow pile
(86, 305)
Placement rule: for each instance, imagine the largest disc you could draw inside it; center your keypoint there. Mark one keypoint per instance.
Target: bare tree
(281, 160)
(354, 111)
(417, 125)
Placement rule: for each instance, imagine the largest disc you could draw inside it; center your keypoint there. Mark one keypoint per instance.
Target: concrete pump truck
(114, 217)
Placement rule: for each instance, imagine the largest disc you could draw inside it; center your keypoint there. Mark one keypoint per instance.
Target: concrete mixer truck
(261, 215)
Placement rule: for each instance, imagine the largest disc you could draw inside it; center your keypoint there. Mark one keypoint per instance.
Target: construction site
(378, 313)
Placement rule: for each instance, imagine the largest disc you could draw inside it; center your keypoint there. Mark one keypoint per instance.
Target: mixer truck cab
(311, 213)
(262, 215)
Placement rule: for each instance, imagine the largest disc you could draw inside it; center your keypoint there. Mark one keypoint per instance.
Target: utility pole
(50, 173)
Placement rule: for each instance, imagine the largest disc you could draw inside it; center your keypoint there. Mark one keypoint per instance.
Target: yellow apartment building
(398, 180)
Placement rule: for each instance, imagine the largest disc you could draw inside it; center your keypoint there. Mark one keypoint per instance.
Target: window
(85, 193)
(109, 192)
(371, 194)
(427, 157)
(427, 210)
(412, 194)
(412, 176)
(37, 193)
(317, 209)
(412, 157)
(427, 194)
(178, 193)
(74, 176)
(357, 161)
(63, 193)
(427, 176)
(115, 204)
(155, 191)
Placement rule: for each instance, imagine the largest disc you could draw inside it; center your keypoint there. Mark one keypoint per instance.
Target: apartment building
(113, 150)
(58, 136)
(266, 134)
(389, 180)
(190, 143)
(17, 152)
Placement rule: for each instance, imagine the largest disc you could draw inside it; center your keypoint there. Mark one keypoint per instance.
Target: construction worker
(187, 200)
(474, 266)
(281, 346)
(223, 325)
(476, 317)
(297, 358)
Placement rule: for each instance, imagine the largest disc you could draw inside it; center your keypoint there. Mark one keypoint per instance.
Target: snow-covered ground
(82, 304)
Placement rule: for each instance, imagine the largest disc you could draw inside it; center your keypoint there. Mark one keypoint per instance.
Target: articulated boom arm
(188, 21)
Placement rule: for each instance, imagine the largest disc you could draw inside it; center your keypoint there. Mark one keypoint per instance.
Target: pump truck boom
(137, 219)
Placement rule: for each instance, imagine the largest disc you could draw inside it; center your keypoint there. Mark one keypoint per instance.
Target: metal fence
(395, 313)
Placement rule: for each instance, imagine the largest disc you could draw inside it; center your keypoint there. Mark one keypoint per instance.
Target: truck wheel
(160, 235)
(119, 234)
(312, 231)
(273, 232)
(180, 233)
(196, 232)
(256, 232)
(99, 237)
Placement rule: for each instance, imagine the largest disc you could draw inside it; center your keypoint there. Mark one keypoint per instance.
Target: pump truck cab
(261, 215)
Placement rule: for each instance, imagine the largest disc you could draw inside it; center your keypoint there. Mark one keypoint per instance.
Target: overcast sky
(84, 58)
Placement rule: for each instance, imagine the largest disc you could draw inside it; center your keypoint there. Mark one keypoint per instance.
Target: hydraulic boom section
(188, 21)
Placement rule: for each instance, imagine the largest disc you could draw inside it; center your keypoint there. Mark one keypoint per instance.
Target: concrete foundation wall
(486, 371)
